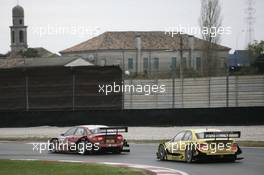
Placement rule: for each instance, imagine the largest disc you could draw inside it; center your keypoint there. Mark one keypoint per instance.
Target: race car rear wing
(114, 130)
(222, 134)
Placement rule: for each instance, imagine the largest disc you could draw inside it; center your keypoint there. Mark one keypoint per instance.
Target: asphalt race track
(145, 154)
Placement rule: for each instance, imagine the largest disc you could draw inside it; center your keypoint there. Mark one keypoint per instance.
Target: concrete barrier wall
(137, 117)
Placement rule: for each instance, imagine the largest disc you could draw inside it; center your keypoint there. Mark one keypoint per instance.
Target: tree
(30, 53)
(259, 63)
(256, 48)
(210, 21)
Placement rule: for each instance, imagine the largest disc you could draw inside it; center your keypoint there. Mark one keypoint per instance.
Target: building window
(156, 63)
(13, 36)
(21, 36)
(198, 63)
(130, 64)
(145, 64)
(20, 21)
(173, 63)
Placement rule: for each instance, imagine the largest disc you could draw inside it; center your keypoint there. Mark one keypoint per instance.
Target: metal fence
(199, 92)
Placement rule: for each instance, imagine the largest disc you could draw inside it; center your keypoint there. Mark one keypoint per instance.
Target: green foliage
(30, 53)
(259, 64)
(256, 48)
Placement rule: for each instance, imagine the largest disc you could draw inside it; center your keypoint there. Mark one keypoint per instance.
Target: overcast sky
(97, 16)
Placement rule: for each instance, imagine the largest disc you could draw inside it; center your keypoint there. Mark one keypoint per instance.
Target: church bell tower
(18, 30)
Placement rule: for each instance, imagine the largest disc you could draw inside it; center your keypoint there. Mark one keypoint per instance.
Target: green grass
(19, 167)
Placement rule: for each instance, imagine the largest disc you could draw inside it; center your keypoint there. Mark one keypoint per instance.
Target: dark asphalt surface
(144, 154)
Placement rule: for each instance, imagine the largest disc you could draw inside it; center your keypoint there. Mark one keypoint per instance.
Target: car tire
(188, 155)
(81, 147)
(162, 154)
(53, 146)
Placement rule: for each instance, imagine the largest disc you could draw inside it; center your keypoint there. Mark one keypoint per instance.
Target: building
(43, 62)
(22, 56)
(240, 58)
(18, 30)
(147, 52)
(18, 33)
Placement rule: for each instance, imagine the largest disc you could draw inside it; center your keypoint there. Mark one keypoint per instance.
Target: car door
(79, 133)
(175, 144)
(69, 136)
(185, 141)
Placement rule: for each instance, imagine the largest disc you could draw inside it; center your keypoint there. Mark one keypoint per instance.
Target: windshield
(95, 131)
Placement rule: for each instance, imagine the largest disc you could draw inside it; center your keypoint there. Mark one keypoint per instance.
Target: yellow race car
(199, 144)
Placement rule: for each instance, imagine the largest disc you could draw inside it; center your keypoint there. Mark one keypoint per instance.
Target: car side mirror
(62, 134)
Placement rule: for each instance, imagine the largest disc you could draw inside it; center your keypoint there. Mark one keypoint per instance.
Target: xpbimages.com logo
(107, 89)
(62, 147)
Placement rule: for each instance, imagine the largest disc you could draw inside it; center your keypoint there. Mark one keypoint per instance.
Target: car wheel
(162, 154)
(81, 147)
(53, 146)
(188, 155)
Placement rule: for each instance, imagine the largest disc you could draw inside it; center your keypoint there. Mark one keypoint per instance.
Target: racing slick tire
(162, 154)
(53, 146)
(189, 155)
(81, 147)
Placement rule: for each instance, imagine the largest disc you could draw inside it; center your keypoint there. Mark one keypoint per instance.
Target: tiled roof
(35, 62)
(154, 40)
(44, 52)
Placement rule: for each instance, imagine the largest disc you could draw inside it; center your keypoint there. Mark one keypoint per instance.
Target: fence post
(182, 92)
(173, 92)
(181, 69)
(131, 95)
(209, 92)
(236, 89)
(227, 85)
(123, 91)
(73, 89)
(27, 98)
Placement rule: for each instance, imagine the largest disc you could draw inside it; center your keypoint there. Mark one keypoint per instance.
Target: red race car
(90, 139)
